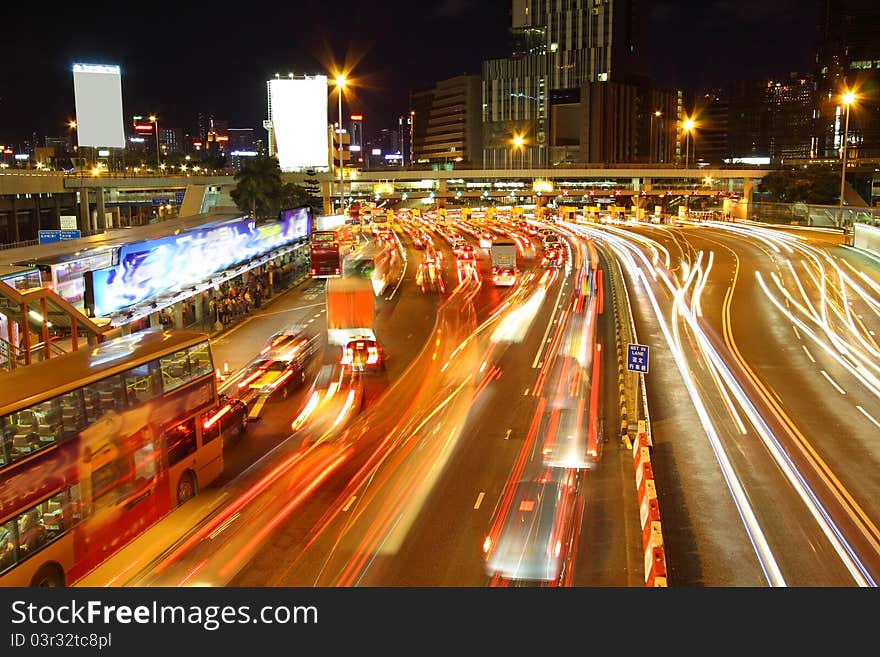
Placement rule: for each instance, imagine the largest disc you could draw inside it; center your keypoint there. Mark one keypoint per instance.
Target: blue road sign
(163, 200)
(178, 197)
(637, 358)
(49, 236)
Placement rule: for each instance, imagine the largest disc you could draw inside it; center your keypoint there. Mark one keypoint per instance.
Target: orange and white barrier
(649, 514)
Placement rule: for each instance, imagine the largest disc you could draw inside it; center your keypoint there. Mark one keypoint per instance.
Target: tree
(258, 187)
(820, 186)
(293, 195)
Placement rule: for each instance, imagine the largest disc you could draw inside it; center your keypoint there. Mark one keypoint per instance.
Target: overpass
(32, 200)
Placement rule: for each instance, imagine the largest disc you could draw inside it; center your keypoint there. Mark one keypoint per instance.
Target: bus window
(200, 360)
(73, 415)
(105, 396)
(31, 533)
(7, 545)
(141, 384)
(175, 370)
(181, 441)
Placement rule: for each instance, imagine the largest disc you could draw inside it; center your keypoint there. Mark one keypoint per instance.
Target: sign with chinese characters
(637, 358)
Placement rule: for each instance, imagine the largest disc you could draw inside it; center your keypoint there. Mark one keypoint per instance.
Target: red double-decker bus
(328, 249)
(98, 445)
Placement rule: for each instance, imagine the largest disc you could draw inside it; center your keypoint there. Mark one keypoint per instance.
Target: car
(534, 528)
(552, 257)
(228, 419)
(551, 240)
(463, 248)
(280, 367)
(504, 276)
(363, 354)
(486, 241)
(466, 256)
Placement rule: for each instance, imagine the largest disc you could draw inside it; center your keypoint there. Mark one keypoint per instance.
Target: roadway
(406, 492)
(763, 398)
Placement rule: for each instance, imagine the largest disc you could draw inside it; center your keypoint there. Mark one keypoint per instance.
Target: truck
(503, 256)
(350, 315)
(350, 310)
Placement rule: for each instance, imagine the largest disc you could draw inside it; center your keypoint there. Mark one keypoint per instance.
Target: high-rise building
(771, 118)
(848, 59)
(791, 104)
(711, 114)
(242, 145)
(563, 46)
(356, 147)
(446, 121)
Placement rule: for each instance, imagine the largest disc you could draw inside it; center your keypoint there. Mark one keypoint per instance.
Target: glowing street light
(155, 121)
(518, 143)
(688, 127)
(340, 85)
(655, 115)
(848, 98)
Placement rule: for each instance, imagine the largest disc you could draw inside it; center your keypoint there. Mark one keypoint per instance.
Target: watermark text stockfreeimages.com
(209, 617)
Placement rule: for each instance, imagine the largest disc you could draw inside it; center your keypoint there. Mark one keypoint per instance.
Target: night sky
(179, 60)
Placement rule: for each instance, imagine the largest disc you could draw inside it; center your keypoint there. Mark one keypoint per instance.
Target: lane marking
(526, 393)
(796, 332)
(831, 381)
(349, 503)
(809, 355)
(507, 435)
(479, 500)
(868, 415)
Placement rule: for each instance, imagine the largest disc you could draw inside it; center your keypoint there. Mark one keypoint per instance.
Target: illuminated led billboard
(299, 221)
(146, 269)
(298, 115)
(98, 96)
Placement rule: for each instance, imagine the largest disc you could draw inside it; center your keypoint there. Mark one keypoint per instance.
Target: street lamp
(155, 121)
(340, 85)
(518, 142)
(848, 98)
(688, 126)
(656, 115)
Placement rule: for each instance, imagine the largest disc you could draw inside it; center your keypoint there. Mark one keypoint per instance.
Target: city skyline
(388, 49)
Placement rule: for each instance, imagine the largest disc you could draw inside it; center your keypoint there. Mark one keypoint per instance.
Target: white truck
(503, 256)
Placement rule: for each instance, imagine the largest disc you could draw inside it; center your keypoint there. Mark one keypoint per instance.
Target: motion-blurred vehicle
(533, 528)
(551, 240)
(504, 276)
(420, 240)
(363, 355)
(486, 241)
(429, 275)
(228, 419)
(552, 257)
(463, 248)
(279, 369)
(503, 256)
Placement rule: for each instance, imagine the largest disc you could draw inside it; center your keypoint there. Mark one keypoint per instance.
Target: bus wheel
(186, 488)
(49, 575)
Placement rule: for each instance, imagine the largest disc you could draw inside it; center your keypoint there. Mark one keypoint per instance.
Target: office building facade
(446, 122)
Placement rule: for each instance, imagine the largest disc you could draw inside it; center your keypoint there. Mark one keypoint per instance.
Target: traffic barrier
(649, 514)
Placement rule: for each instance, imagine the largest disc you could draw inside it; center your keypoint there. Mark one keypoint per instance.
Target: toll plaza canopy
(121, 275)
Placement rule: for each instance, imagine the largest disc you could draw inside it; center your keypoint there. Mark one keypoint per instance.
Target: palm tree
(258, 187)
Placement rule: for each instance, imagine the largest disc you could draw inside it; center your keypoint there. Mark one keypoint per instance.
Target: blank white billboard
(298, 112)
(98, 94)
